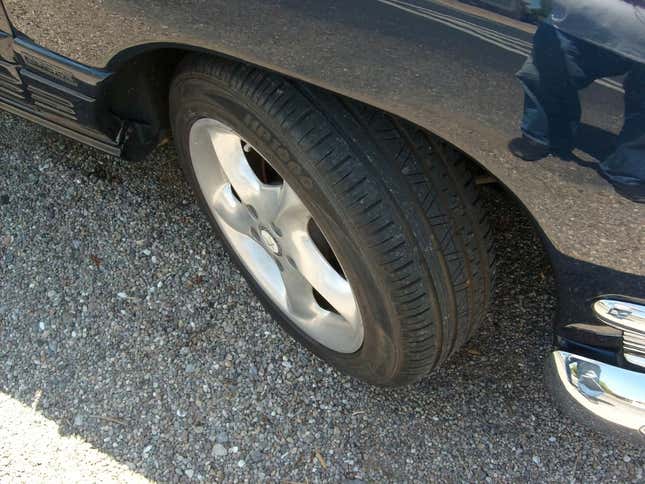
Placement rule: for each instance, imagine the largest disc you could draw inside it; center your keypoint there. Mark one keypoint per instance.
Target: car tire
(397, 206)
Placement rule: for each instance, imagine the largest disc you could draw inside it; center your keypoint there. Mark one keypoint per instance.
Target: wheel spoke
(290, 214)
(299, 297)
(262, 197)
(230, 210)
(324, 326)
(266, 201)
(264, 267)
(231, 157)
(321, 275)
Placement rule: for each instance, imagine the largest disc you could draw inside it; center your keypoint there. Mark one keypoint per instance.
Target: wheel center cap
(269, 241)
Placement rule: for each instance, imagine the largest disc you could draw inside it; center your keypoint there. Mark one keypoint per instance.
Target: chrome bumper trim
(607, 397)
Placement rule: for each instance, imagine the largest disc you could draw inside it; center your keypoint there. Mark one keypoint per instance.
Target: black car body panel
(442, 64)
(60, 94)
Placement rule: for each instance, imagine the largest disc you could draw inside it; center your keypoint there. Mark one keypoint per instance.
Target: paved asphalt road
(131, 349)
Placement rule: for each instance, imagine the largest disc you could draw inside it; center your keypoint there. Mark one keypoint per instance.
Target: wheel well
(138, 93)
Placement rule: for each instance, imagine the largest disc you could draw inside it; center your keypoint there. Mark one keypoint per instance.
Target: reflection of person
(589, 381)
(572, 49)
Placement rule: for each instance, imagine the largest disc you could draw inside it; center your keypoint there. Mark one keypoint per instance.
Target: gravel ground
(131, 349)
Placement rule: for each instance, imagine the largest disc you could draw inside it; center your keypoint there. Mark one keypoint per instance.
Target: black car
(338, 148)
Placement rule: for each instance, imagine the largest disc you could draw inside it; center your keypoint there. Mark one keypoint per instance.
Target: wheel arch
(145, 71)
(139, 89)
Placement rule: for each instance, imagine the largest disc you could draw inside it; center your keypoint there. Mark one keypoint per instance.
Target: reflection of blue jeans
(560, 66)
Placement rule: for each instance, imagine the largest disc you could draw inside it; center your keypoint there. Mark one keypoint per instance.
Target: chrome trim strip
(635, 359)
(622, 315)
(634, 345)
(630, 318)
(611, 395)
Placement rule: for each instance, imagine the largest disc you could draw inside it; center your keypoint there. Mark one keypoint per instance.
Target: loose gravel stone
(155, 360)
(219, 450)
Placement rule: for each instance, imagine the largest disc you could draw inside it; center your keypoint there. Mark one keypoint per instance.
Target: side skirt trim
(111, 149)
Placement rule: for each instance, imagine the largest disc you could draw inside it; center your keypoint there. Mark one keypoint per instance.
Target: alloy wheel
(275, 236)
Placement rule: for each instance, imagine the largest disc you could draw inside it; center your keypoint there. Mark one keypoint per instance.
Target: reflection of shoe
(528, 150)
(625, 185)
(634, 191)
